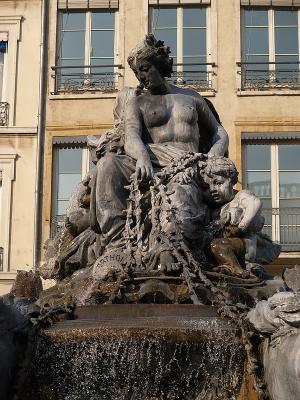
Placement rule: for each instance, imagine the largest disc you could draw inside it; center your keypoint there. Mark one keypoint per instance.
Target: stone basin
(142, 351)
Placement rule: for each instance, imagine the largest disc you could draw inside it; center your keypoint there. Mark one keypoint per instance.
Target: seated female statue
(162, 122)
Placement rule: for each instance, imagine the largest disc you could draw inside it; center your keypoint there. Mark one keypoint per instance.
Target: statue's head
(219, 175)
(150, 61)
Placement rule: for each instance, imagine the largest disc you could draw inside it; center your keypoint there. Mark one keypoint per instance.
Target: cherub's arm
(251, 205)
(217, 132)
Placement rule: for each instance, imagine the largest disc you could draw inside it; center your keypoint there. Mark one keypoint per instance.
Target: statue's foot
(231, 270)
(168, 264)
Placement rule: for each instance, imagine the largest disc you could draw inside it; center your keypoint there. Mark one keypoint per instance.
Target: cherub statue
(238, 216)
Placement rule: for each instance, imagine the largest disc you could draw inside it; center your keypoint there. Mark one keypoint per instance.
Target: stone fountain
(158, 262)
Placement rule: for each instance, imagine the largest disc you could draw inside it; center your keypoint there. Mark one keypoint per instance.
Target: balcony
(87, 78)
(197, 76)
(283, 226)
(269, 76)
(3, 113)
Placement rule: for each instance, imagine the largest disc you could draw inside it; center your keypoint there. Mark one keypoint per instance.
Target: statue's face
(217, 190)
(148, 75)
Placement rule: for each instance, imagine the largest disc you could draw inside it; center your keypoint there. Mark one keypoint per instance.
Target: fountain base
(142, 351)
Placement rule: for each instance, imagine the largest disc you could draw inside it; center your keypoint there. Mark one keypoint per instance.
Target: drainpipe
(41, 135)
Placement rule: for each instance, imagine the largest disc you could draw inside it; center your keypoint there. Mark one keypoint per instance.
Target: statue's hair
(220, 166)
(154, 50)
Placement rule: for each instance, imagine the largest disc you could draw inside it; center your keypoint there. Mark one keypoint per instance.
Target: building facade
(20, 26)
(241, 54)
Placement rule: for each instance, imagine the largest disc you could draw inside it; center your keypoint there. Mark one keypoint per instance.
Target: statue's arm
(134, 146)
(252, 206)
(217, 132)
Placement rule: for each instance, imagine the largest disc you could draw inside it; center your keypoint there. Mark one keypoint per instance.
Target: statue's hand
(143, 168)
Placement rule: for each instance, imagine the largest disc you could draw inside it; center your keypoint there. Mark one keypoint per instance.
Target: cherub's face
(148, 75)
(217, 190)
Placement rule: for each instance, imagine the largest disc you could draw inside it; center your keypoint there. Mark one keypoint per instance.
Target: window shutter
(286, 3)
(177, 2)
(87, 4)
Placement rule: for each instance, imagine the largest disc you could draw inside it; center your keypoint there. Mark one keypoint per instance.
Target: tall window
(272, 171)
(184, 29)
(270, 47)
(86, 50)
(3, 48)
(3, 104)
(70, 165)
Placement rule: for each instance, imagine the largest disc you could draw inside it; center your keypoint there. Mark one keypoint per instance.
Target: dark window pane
(194, 60)
(194, 42)
(103, 20)
(103, 75)
(286, 40)
(66, 185)
(164, 17)
(73, 45)
(259, 183)
(289, 185)
(290, 203)
(195, 73)
(258, 157)
(267, 205)
(290, 63)
(262, 63)
(169, 36)
(73, 21)
(255, 74)
(289, 156)
(256, 41)
(103, 43)
(102, 61)
(62, 207)
(286, 17)
(76, 62)
(258, 17)
(194, 16)
(70, 160)
(68, 76)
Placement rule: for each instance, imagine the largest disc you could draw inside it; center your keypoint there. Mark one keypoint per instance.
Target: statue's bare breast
(171, 118)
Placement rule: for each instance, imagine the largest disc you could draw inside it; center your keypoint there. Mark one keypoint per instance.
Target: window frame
(12, 26)
(87, 47)
(271, 45)
(4, 75)
(274, 179)
(179, 32)
(7, 169)
(85, 168)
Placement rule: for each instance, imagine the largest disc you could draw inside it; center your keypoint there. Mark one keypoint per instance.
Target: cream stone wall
(22, 20)
(78, 114)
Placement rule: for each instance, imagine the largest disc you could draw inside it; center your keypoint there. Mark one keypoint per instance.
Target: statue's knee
(107, 164)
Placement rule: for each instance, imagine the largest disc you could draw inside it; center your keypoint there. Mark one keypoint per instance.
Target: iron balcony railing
(198, 76)
(283, 226)
(3, 113)
(86, 78)
(269, 75)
